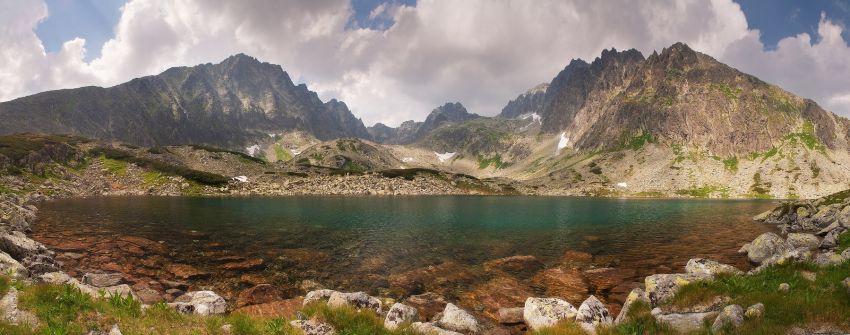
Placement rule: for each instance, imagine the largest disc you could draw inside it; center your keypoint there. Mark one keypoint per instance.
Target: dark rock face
(410, 131)
(526, 103)
(679, 96)
(226, 104)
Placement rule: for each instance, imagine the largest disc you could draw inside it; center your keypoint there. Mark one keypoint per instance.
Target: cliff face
(530, 102)
(224, 104)
(680, 97)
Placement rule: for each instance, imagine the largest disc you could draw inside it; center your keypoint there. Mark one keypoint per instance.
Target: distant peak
(540, 88)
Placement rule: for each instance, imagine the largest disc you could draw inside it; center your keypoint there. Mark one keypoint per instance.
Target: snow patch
(534, 117)
(253, 150)
(562, 143)
(410, 159)
(622, 185)
(241, 179)
(444, 156)
(295, 152)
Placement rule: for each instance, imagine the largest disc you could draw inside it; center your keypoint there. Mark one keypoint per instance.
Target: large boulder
(803, 240)
(546, 312)
(398, 314)
(661, 287)
(31, 254)
(831, 239)
(795, 255)
(702, 266)
(358, 300)
(732, 315)
(456, 319)
(200, 303)
(9, 265)
(591, 314)
(636, 295)
(765, 246)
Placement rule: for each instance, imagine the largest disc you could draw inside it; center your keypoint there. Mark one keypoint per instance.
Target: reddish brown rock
(604, 279)
(427, 304)
(521, 266)
(498, 293)
(286, 309)
(66, 245)
(149, 296)
(260, 294)
(250, 264)
(568, 284)
(184, 271)
(229, 259)
(575, 257)
(148, 245)
(303, 255)
(431, 278)
(252, 279)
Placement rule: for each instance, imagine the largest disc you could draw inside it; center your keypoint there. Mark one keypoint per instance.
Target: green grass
(640, 321)
(759, 189)
(705, 191)
(281, 154)
(639, 141)
(729, 92)
(822, 302)
(153, 178)
(496, 161)
(114, 166)
(844, 241)
(835, 198)
(731, 164)
(111, 154)
(349, 321)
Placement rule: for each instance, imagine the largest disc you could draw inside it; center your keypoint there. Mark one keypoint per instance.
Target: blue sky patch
(93, 20)
(777, 19)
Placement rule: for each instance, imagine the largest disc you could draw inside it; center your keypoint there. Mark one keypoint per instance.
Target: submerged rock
(398, 314)
(260, 294)
(200, 303)
(546, 312)
(427, 304)
(512, 315)
(523, 266)
(591, 314)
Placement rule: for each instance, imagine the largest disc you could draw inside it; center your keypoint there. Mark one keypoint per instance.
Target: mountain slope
(226, 104)
(410, 131)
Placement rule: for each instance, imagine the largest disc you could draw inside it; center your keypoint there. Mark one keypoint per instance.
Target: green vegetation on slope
(281, 154)
(202, 177)
(496, 161)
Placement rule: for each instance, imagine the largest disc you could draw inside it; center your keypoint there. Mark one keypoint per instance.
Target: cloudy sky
(396, 60)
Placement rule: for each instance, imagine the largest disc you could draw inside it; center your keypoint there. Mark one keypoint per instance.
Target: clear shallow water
(358, 243)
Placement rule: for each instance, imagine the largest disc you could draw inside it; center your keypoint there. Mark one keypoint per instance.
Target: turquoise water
(354, 242)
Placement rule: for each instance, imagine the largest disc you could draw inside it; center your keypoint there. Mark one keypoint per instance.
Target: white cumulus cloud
(478, 52)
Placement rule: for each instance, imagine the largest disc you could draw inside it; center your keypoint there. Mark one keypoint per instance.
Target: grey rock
(102, 279)
(591, 314)
(784, 287)
(456, 319)
(546, 312)
(317, 295)
(831, 239)
(661, 287)
(10, 313)
(796, 255)
(635, 295)
(359, 300)
(115, 330)
(431, 329)
(687, 322)
(398, 314)
(755, 311)
(803, 240)
(702, 266)
(732, 315)
(313, 327)
(765, 246)
(9, 265)
(200, 303)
